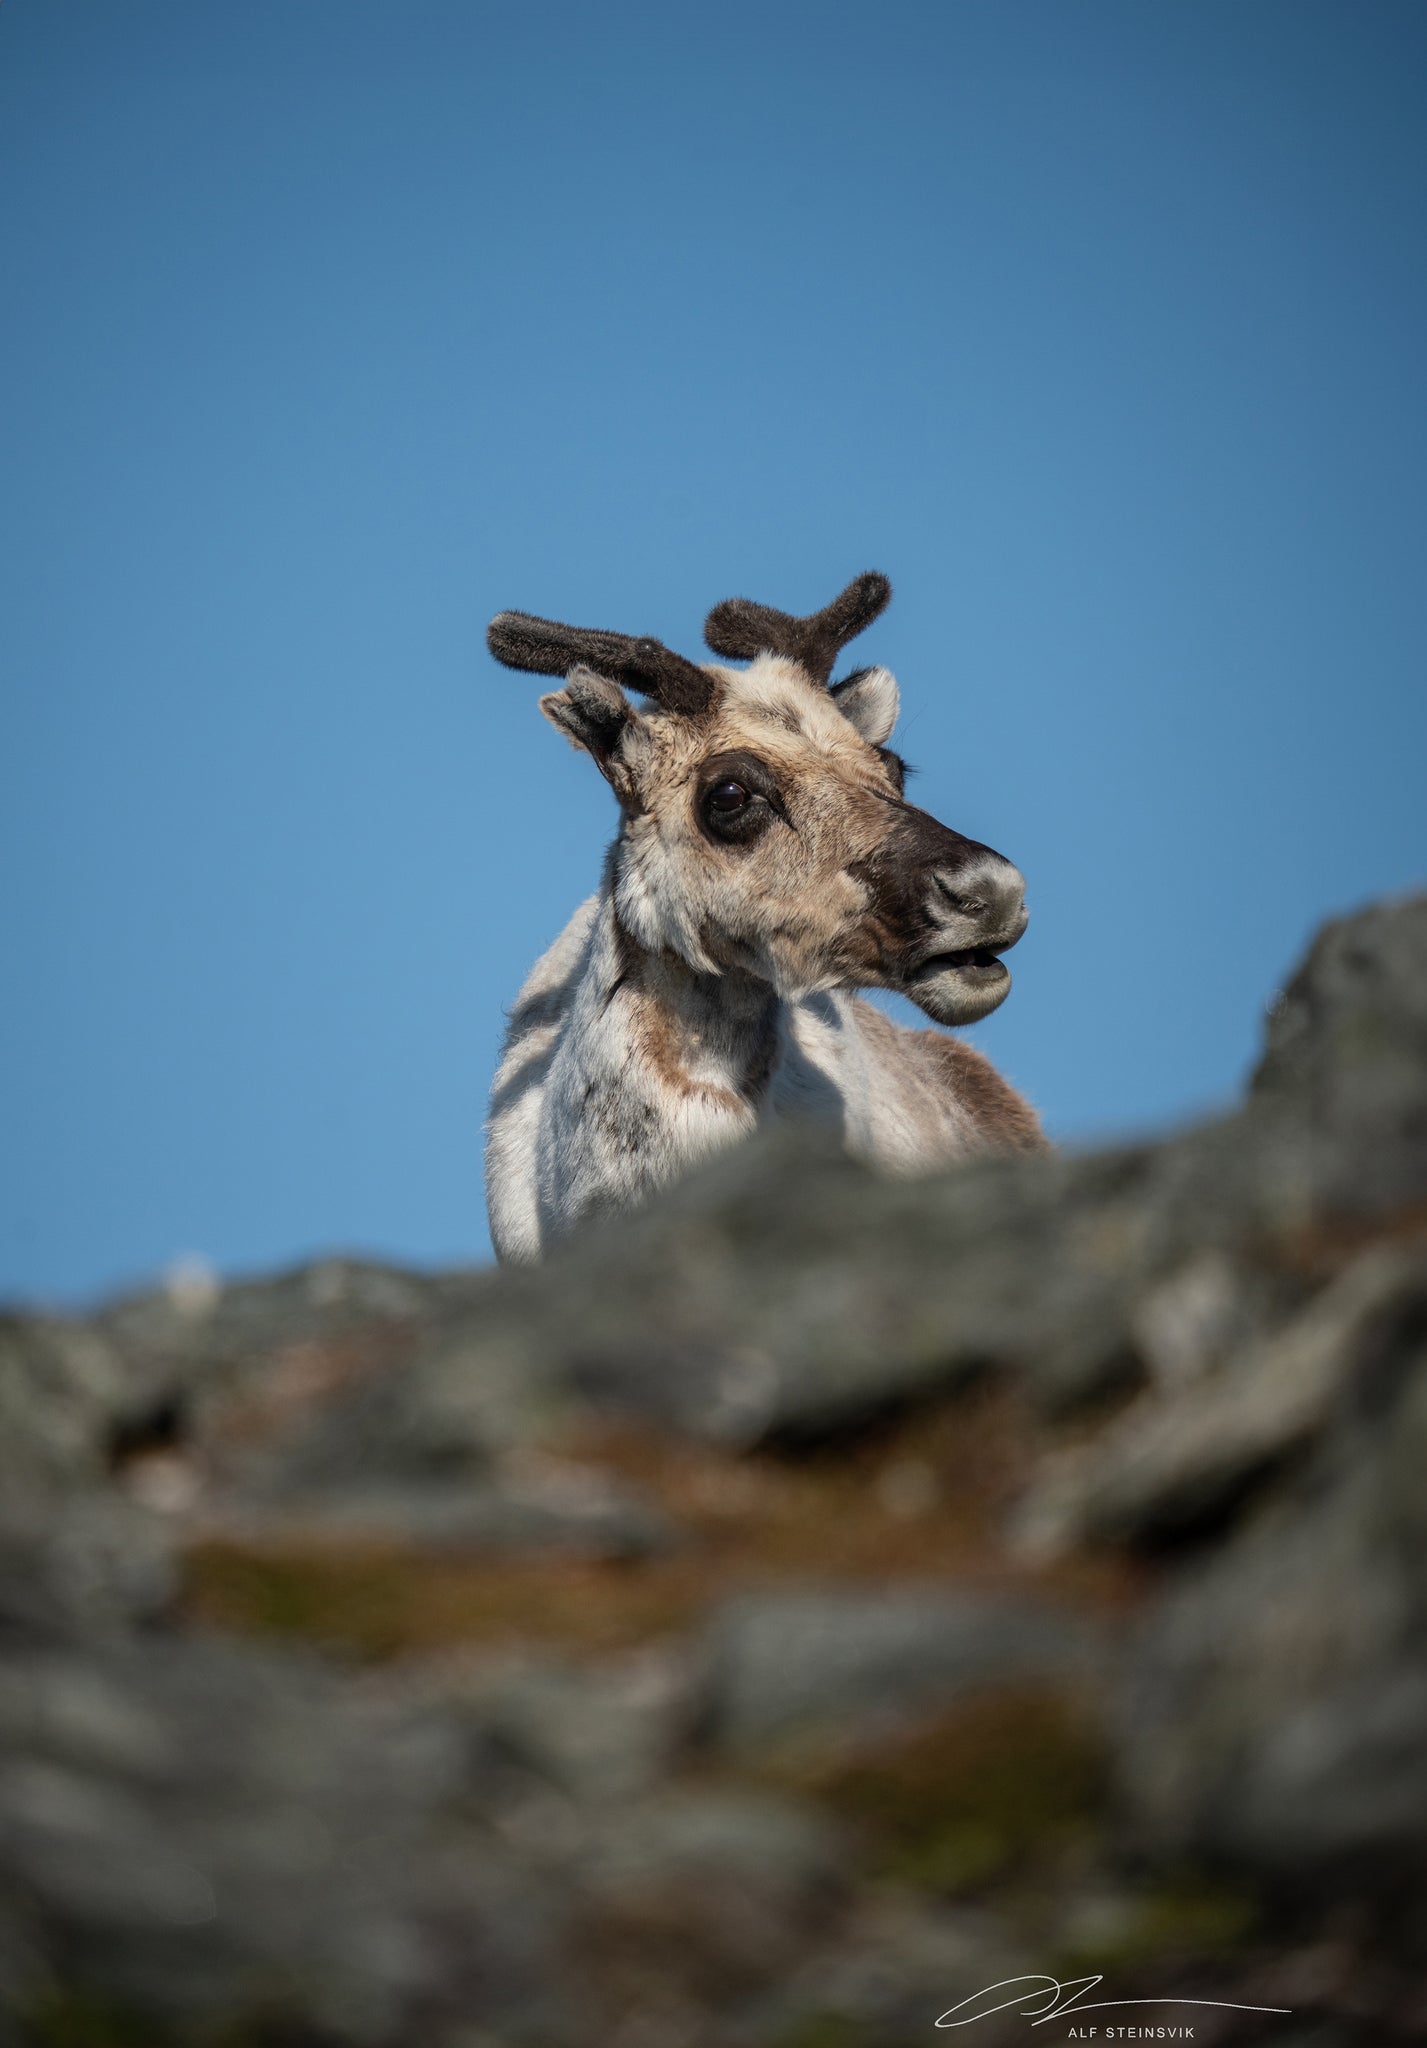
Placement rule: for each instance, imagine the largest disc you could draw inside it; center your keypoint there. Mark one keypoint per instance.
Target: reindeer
(767, 864)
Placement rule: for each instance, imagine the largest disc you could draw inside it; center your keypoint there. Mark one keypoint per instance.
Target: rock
(245, 1377)
(195, 1319)
(1271, 1717)
(1181, 1460)
(91, 1566)
(897, 1965)
(191, 1826)
(601, 1734)
(469, 1391)
(701, 1900)
(1187, 1325)
(782, 1851)
(781, 1665)
(555, 1506)
(62, 1393)
(1347, 1044)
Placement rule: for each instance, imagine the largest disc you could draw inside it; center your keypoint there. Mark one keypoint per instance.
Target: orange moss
(381, 1600)
(1319, 1249)
(926, 1494)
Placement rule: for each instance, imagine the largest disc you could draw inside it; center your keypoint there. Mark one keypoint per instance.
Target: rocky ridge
(768, 1623)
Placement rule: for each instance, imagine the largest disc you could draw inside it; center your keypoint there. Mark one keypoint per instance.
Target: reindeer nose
(990, 894)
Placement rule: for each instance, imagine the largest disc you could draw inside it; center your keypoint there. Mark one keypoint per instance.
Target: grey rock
(62, 1391)
(1187, 1325)
(783, 1850)
(899, 1963)
(197, 1317)
(1342, 1782)
(1272, 1710)
(783, 1665)
(1348, 1040)
(694, 1905)
(556, 1506)
(92, 1565)
(225, 1371)
(1182, 1459)
(600, 1734)
(470, 1389)
(191, 1825)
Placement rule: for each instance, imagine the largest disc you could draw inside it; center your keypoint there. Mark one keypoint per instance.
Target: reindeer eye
(738, 803)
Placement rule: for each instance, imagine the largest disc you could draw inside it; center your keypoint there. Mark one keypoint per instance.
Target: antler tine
(545, 648)
(742, 629)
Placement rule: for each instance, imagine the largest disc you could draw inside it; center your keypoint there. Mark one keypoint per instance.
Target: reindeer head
(764, 827)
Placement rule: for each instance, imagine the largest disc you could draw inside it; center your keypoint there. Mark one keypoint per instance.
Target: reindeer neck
(637, 1067)
(706, 1037)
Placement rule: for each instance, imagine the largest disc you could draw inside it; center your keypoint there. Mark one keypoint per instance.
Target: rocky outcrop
(770, 1622)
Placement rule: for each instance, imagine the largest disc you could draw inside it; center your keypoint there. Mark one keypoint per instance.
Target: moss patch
(383, 1600)
(968, 1798)
(1183, 1918)
(70, 2019)
(830, 2030)
(67, 2020)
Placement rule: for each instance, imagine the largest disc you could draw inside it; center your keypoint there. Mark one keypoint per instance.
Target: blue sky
(331, 329)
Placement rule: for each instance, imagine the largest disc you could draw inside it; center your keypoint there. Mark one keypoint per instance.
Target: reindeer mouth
(960, 987)
(969, 956)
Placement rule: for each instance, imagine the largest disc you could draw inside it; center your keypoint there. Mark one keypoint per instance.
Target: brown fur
(1004, 1118)
(671, 1016)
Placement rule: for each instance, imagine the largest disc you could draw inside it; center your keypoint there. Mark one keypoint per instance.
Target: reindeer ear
(870, 700)
(592, 712)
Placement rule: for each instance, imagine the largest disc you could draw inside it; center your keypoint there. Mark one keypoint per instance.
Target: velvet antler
(546, 649)
(740, 628)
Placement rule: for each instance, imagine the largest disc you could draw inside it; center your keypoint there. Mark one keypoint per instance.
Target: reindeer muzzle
(962, 976)
(948, 908)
